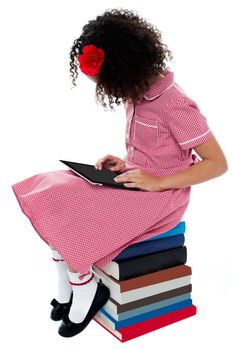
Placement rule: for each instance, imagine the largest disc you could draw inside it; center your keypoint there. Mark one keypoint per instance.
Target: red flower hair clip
(91, 60)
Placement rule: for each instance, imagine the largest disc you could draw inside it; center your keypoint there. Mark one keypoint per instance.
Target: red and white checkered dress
(89, 224)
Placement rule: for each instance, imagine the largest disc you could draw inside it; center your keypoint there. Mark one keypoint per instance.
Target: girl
(85, 224)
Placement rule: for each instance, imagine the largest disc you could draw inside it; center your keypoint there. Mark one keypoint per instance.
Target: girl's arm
(213, 164)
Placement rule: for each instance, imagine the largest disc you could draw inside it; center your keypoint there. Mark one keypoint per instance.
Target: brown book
(145, 280)
(118, 308)
(145, 285)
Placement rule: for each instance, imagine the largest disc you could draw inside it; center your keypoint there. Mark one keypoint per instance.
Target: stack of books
(149, 286)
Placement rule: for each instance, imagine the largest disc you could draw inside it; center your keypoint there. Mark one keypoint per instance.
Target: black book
(141, 265)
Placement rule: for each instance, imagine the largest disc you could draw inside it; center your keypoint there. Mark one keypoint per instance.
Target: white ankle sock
(84, 289)
(64, 287)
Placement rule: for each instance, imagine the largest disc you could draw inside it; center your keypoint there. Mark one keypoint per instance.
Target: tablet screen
(103, 176)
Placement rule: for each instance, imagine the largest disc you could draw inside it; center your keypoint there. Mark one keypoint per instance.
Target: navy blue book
(153, 246)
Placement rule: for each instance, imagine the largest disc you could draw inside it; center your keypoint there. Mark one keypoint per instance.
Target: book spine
(148, 315)
(134, 267)
(143, 248)
(142, 328)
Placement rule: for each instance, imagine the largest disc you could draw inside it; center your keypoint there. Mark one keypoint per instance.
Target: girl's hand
(140, 179)
(110, 162)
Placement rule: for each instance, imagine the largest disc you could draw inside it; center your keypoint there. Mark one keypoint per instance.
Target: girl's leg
(70, 268)
(64, 287)
(84, 288)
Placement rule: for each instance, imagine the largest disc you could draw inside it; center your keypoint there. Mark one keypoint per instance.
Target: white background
(43, 120)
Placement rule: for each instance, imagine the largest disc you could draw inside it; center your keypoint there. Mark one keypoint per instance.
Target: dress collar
(164, 83)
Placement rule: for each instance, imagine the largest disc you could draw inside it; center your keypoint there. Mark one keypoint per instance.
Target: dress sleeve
(187, 124)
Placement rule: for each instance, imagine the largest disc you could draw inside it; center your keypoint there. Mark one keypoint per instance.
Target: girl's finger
(107, 159)
(98, 165)
(119, 166)
(116, 167)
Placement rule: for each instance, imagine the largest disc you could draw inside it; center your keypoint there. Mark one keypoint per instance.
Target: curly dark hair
(133, 50)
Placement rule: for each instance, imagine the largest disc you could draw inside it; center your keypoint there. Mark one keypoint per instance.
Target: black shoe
(60, 310)
(69, 328)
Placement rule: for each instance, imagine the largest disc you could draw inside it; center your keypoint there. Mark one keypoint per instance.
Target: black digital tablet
(103, 177)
